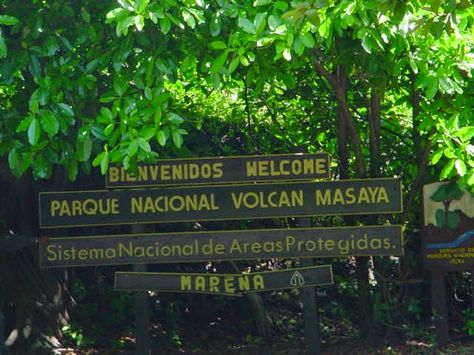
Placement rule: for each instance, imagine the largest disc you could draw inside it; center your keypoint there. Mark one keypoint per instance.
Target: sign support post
(141, 310)
(311, 319)
(438, 306)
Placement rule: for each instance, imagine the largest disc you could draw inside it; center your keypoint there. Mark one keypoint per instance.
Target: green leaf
(465, 133)
(175, 118)
(142, 5)
(366, 44)
(287, 54)
(66, 109)
(189, 19)
(218, 45)
(262, 2)
(165, 25)
(72, 169)
(147, 133)
(34, 132)
(133, 147)
(113, 14)
(273, 22)
(161, 138)
(460, 167)
(470, 180)
(139, 22)
(281, 5)
(259, 22)
(41, 166)
(307, 39)
(24, 124)
(84, 148)
(177, 139)
(219, 62)
(104, 164)
(144, 145)
(234, 64)
(120, 86)
(35, 66)
(3, 47)
(8, 20)
(246, 25)
(49, 123)
(437, 156)
(98, 159)
(18, 162)
(435, 5)
(107, 114)
(432, 88)
(447, 170)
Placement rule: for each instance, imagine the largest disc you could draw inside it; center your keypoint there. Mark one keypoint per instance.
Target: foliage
(85, 84)
(92, 83)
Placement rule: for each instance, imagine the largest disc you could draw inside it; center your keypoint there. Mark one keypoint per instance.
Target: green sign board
(199, 203)
(217, 170)
(227, 284)
(222, 245)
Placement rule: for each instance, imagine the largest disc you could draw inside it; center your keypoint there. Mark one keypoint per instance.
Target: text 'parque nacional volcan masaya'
(227, 284)
(222, 245)
(222, 170)
(82, 208)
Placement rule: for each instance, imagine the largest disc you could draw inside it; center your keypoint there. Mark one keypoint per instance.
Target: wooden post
(472, 289)
(438, 306)
(310, 313)
(141, 310)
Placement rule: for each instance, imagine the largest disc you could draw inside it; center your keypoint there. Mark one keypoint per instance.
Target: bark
(338, 84)
(29, 297)
(347, 129)
(374, 137)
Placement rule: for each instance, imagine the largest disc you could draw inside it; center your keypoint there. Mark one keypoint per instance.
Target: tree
(385, 86)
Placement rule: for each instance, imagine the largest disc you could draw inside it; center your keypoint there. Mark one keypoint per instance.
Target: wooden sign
(448, 230)
(222, 245)
(226, 284)
(222, 170)
(200, 203)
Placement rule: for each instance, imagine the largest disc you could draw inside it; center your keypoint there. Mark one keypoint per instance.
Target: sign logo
(297, 279)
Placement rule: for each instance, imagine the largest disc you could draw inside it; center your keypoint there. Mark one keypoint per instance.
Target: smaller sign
(224, 284)
(191, 171)
(448, 230)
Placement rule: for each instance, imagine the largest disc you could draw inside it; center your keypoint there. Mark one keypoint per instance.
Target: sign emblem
(297, 279)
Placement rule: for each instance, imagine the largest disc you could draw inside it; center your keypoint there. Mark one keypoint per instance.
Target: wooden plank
(224, 284)
(222, 245)
(218, 170)
(104, 207)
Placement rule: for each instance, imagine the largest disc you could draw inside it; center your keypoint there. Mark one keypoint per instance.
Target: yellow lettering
(244, 283)
(114, 174)
(258, 282)
(186, 283)
(229, 284)
(213, 283)
(200, 283)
